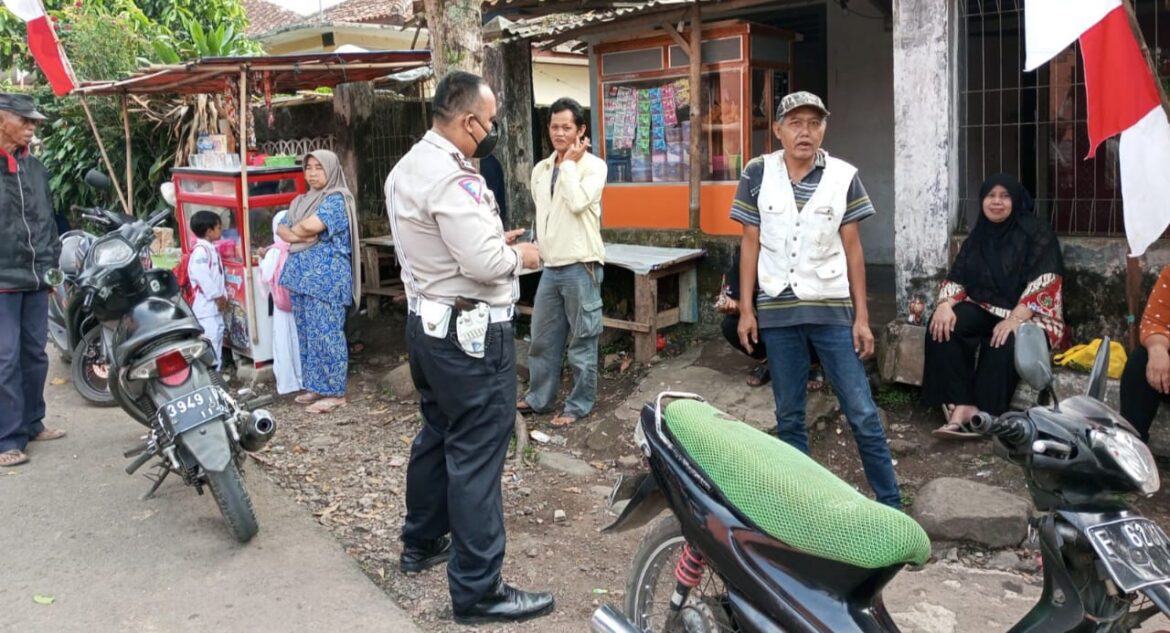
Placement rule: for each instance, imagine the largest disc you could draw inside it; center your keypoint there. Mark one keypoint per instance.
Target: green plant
(895, 395)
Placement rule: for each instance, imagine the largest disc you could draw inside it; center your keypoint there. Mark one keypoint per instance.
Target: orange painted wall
(667, 206)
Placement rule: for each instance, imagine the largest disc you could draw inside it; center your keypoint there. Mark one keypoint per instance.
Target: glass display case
(270, 190)
(645, 114)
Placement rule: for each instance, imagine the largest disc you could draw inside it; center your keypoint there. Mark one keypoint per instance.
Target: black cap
(20, 104)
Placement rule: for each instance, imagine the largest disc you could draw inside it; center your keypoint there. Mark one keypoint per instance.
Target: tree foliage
(107, 39)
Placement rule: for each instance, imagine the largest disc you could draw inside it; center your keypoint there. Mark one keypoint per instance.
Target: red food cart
(247, 217)
(269, 191)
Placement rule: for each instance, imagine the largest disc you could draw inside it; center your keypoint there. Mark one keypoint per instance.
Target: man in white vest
(800, 208)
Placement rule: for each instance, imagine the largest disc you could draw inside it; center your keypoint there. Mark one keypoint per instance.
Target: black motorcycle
(72, 331)
(161, 372)
(762, 539)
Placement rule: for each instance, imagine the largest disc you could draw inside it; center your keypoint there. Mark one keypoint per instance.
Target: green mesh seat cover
(791, 497)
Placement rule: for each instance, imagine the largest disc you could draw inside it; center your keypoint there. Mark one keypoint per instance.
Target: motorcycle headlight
(1131, 456)
(112, 252)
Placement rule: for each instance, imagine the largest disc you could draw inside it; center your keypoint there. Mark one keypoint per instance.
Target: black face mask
(485, 146)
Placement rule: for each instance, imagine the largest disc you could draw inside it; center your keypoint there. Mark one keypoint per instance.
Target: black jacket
(28, 230)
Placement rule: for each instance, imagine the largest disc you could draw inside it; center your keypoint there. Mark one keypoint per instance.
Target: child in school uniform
(286, 349)
(205, 270)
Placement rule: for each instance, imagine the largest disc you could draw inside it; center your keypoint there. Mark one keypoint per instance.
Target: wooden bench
(649, 265)
(375, 251)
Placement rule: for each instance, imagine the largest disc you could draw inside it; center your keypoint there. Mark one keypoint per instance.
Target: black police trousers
(456, 461)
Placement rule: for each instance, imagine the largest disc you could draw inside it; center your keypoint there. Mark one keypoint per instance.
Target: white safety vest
(803, 249)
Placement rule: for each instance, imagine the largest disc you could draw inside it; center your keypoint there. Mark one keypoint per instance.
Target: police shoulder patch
(473, 187)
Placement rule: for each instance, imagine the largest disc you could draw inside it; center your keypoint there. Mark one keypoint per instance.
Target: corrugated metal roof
(287, 73)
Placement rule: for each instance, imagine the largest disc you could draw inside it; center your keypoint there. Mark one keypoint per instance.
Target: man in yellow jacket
(566, 188)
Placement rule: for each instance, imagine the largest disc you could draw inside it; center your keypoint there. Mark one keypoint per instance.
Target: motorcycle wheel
(234, 503)
(652, 581)
(87, 372)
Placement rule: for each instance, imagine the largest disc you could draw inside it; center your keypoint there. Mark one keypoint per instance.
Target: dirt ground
(348, 469)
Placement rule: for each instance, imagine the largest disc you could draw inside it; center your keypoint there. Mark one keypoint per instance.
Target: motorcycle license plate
(1136, 552)
(189, 411)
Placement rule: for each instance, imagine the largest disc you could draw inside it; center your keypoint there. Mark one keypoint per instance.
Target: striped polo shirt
(788, 309)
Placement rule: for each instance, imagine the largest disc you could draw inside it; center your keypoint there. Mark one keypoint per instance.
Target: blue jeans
(567, 306)
(24, 326)
(788, 363)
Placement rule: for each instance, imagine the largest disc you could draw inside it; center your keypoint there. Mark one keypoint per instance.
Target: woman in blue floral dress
(320, 274)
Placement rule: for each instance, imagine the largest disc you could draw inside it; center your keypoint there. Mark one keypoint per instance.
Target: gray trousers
(567, 308)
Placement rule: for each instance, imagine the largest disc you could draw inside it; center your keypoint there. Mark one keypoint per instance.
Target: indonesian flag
(43, 44)
(1122, 98)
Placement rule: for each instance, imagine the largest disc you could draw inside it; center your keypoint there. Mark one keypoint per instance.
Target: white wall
(861, 127)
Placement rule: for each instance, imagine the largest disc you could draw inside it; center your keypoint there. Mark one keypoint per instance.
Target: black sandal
(759, 376)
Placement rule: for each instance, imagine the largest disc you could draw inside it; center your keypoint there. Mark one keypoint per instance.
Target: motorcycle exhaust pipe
(257, 430)
(607, 619)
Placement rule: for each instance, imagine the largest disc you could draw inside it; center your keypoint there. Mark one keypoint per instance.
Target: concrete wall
(925, 150)
(861, 129)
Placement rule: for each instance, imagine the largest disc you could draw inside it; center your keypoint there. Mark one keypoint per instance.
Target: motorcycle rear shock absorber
(688, 572)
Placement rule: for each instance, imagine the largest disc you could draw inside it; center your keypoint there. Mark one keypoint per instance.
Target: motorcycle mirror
(1032, 361)
(168, 192)
(97, 180)
(54, 277)
(1100, 372)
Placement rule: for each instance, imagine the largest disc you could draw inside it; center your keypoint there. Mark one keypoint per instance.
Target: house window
(1033, 125)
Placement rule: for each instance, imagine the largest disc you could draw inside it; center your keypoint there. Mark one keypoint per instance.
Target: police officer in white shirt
(460, 270)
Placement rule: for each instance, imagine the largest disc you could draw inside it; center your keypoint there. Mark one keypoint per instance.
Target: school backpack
(184, 278)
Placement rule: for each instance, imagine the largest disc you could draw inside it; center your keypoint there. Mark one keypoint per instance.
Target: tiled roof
(263, 17)
(377, 11)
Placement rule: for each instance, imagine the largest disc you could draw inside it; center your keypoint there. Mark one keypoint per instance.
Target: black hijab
(999, 259)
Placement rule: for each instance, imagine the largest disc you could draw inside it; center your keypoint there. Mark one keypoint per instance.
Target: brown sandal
(524, 408)
(49, 435)
(12, 458)
(955, 431)
(307, 398)
(326, 405)
(563, 420)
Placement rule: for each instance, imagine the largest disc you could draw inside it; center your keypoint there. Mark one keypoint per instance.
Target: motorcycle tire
(92, 387)
(659, 548)
(234, 503)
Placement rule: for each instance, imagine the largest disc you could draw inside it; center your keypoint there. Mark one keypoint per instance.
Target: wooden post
(646, 313)
(508, 70)
(129, 158)
(105, 157)
(696, 59)
(246, 230)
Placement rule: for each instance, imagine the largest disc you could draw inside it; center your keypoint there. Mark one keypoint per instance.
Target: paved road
(73, 526)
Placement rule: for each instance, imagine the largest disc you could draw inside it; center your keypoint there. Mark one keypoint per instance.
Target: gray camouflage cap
(800, 100)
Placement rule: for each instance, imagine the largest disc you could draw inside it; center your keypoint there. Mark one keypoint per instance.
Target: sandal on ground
(326, 405)
(307, 398)
(759, 376)
(49, 435)
(563, 420)
(524, 408)
(816, 378)
(12, 458)
(955, 431)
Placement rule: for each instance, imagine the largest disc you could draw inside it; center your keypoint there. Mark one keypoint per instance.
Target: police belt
(496, 314)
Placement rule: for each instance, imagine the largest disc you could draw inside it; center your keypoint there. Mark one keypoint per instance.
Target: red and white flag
(1122, 98)
(43, 44)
